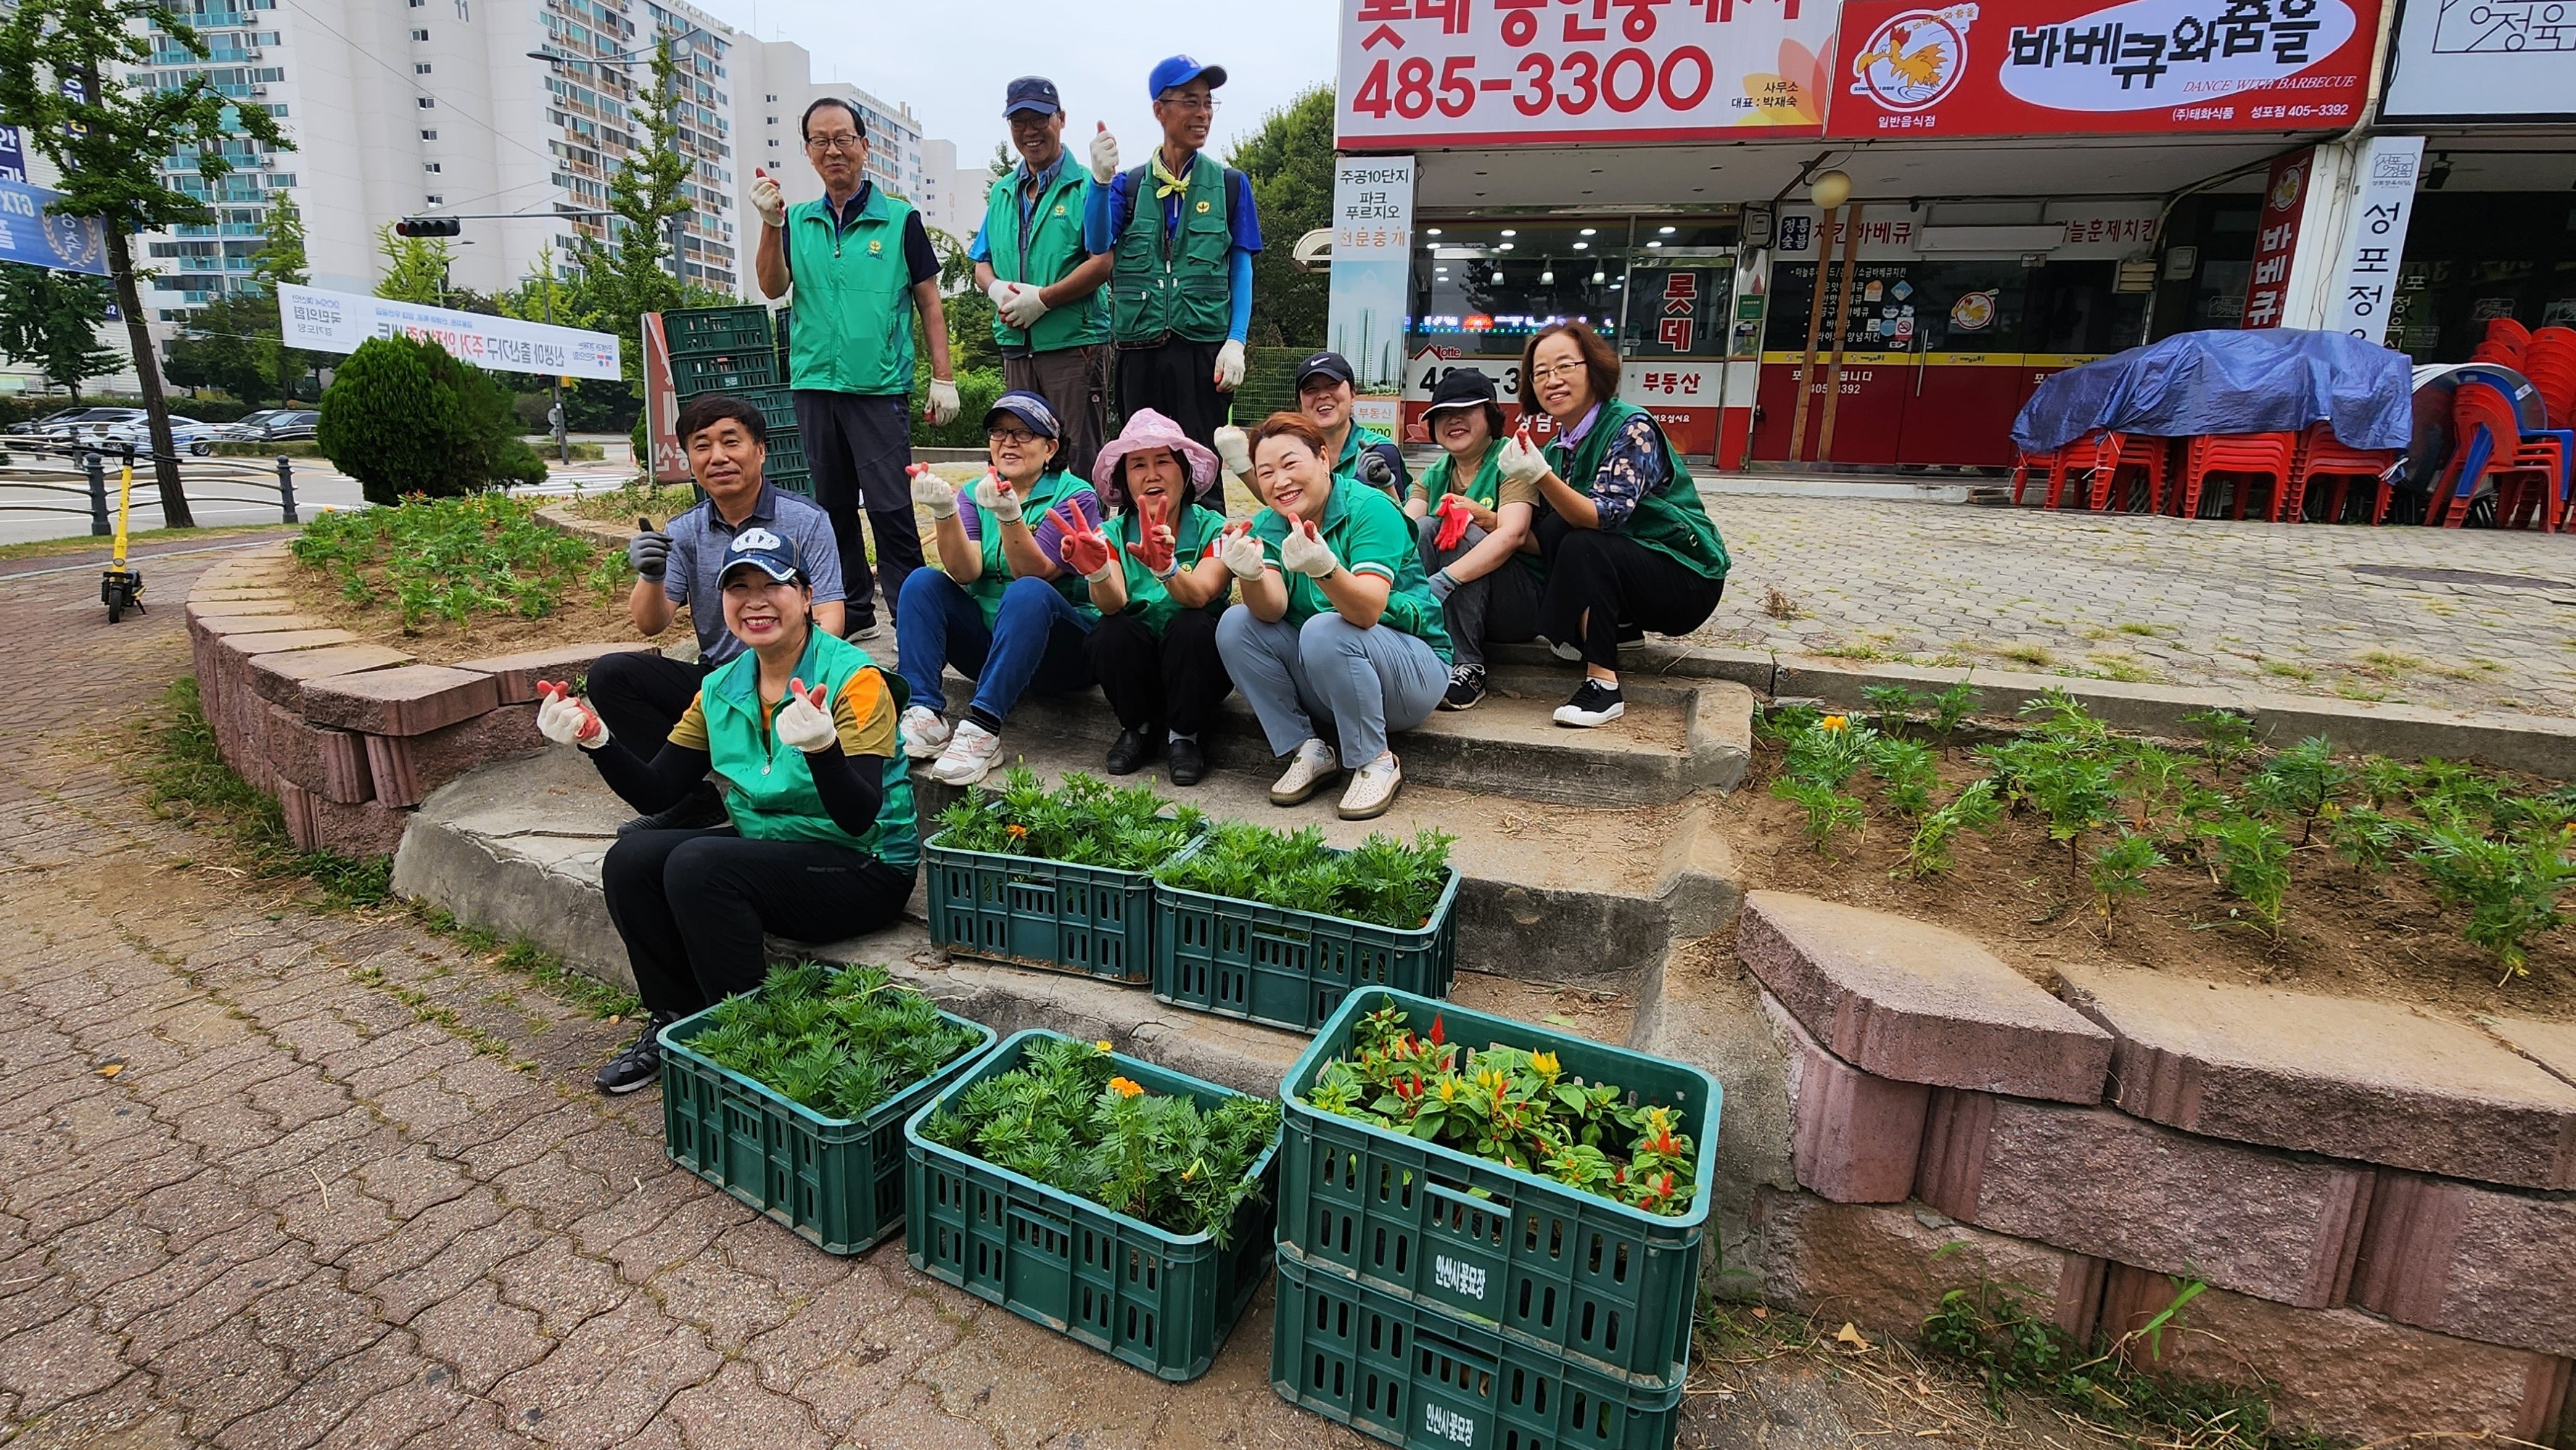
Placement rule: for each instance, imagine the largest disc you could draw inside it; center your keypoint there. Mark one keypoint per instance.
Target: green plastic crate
(1291, 968)
(1161, 1301)
(729, 372)
(1413, 1376)
(786, 453)
(700, 331)
(1097, 921)
(777, 409)
(835, 1182)
(1542, 1264)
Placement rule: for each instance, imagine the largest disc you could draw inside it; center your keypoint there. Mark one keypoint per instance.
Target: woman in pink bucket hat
(1154, 649)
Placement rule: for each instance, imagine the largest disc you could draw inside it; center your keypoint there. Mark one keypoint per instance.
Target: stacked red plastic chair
(2322, 460)
(2530, 468)
(2243, 458)
(2052, 464)
(2549, 361)
(2115, 456)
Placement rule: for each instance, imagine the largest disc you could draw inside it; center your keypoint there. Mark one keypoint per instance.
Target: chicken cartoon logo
(1914, 59)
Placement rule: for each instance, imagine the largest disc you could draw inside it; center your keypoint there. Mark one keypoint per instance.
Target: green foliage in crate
(1509, 1105)
(1385, 881)
(1068, 1120)
(838, 1042)
(1083, 821)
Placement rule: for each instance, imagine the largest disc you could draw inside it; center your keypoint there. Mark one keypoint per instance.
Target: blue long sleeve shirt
(1106, 210)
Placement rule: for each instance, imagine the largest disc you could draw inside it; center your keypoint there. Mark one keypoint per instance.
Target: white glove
(1308, 554)
(1229, 366)
(568, 720)
(766, 200)
(932, 492)
(1024, 306)
(1520, 462)
(1234, 450)
(1242, 554)
(1000, 292)
(997, 498)
(943, 405)
(1104, 155)
(802, 721)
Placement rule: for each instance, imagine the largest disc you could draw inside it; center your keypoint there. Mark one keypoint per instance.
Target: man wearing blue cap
(1045, 285)
(1180, 231)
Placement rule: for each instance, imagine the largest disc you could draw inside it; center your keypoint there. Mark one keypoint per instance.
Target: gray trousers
(1075, 382)
(1500, 608)
(1328, 678)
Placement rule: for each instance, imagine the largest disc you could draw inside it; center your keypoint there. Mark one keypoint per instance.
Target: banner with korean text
(32, 234)
(2076, 67)
(2276, 238)
(2365, 289)
(1532, 72)
(323, 321)
(2482, 60)
(1372, 267)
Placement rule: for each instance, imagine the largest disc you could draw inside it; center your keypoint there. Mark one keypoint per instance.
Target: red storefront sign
(2075, 67)
(1530, 72)
(2276, 236)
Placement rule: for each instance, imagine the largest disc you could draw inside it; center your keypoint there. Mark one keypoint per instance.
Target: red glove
(1085, 551)
(1154, 551)
(1455, 516)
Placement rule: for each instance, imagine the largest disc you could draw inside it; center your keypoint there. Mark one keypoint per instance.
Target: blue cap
(1029, 408)
(1031, 93)
(773, 554)
(1178, 71)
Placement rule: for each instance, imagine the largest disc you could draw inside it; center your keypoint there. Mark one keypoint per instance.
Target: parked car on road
(273, 425)
(51, 423)
(86, 425)
(186, 434)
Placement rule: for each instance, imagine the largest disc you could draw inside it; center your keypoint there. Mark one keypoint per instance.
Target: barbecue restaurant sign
(2054, 67)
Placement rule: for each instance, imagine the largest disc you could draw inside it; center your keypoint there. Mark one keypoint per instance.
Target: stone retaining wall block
(1887, 1267)
(401, 700)
(408, 768)
(516, 675)
(280, 678)
(1854, 1138)
(2472, 1261)
(330, 763)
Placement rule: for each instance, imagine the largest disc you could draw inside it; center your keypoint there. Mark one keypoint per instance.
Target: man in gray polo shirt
(641, 694)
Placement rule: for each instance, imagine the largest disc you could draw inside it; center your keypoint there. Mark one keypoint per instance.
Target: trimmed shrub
(405, 417)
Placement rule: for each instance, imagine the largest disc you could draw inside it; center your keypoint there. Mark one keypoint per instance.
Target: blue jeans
(1034, 642)
(1328, 678)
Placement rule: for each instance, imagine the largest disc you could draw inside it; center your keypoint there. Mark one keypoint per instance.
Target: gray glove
(649, 553)
(1441, 585)
(1375, 472)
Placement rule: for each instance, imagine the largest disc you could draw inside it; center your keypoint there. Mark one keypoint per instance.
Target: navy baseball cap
(1035, 94)
(1462, 388)
(773, 554)
(1325, 365)
(1180, 70)
(1029, 408)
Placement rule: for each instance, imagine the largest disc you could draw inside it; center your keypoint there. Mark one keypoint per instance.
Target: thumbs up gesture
(802, 719)
(1104, 155)
(766, 200)
(567, 719)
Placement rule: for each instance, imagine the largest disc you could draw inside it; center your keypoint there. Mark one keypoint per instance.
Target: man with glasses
(1029, 258)
(855, 258)
(1181, 231)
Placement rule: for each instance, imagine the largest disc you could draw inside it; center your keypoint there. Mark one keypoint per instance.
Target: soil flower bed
(838, 1042)
(456, 578)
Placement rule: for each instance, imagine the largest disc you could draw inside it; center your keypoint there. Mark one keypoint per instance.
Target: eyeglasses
(1015, 437)
(1204, 105)
(842, 142)
(1549, 375)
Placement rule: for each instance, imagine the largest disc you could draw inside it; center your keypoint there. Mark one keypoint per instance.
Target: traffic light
(428, 226)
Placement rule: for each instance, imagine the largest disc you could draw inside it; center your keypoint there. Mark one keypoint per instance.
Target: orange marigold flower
(1126, 1088)
(1833, 722)
(1015, 831)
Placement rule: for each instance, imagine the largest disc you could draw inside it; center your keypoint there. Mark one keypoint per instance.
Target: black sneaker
(1594, 703)
(1189, 765)
(702, 807)
(639, 1065)
(1128, 752)
(1466, 687)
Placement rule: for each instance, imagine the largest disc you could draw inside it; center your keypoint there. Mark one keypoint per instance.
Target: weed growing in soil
(839, 1042)
(452, 558)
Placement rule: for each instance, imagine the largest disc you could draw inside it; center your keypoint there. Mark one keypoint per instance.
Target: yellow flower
(1125, 1088)
(1492, 1081)
(1833, 722)
(1544, 1064)
(1448, 1089)
(1103, 1045)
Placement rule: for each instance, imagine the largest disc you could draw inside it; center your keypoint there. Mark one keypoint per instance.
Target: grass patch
(524, 958)
(2121, 666)
(2284, 669)
(139, 538)
(2026, 654)
(1862, 650)
(625, 505)
(185, 780)
(2151, 631)
(2385, 663)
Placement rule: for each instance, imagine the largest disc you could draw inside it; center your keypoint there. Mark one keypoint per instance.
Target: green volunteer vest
(1054, 246)
(1669, 520)
(773, 796)
(1147, 599)
(1161, 285)
(1410, 609)
(853, 295)
(1053, 487)
(1485, 488)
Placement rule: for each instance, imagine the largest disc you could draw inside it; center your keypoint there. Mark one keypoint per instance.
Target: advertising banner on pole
(2276, 237)
(1528, 72)
(1372, 261)
(2375, 238)
(13, 155)
(30, 234)
(2482, 60)
(2079, 67)
(323, 321)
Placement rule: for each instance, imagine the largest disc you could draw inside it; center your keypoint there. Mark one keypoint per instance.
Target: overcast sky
(952, 59)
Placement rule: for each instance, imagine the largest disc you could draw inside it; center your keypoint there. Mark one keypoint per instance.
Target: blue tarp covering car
(2269, 380)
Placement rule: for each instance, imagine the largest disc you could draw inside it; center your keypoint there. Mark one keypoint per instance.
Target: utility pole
(555, 415)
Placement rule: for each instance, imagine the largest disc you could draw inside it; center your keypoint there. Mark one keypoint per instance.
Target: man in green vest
(860, 264)
(1180, 231)
(1029, 258)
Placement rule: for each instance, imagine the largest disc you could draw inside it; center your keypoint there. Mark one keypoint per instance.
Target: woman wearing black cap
(1475, 530)
(819, 844)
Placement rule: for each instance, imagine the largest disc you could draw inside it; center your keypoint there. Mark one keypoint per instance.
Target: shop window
(1479, 289)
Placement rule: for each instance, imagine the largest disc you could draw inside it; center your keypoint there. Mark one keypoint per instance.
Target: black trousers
(1599, 579)
(1177, 378)
(856, 448)
(692, 907)
(641, 694)
(1174, 682)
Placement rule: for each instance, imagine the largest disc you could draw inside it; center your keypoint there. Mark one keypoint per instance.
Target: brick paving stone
(421, 1237)
(479, 1336)
(327, 1397)
(733, 1412)
(472, 1254)
(607, 1379)
(559, 1285)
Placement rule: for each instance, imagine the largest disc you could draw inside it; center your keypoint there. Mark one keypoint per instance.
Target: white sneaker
(1312, 765)
(925, 734)
(1372, 788)
(971, 752)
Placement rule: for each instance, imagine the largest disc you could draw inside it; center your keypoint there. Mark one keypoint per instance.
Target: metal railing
(82, 473)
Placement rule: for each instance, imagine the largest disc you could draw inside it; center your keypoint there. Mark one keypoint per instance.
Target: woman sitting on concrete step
(1008, 612)
(1337, 630)
(819, 845)
(1624, 538)
(1475, 532)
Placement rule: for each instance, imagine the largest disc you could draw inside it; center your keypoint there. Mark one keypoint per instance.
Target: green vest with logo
(1166, 285)
(1054, 246)
(1147, 599)
(1053, 487)
(773, 796)
(1669, 520)
(1485, 488)
(853, 295)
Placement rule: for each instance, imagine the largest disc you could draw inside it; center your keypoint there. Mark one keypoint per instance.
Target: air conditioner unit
(256, 92)
(253, 53)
